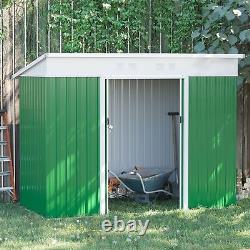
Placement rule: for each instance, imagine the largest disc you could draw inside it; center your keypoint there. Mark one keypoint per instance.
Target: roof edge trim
(30, 65)
(123, 55)
(143, 55)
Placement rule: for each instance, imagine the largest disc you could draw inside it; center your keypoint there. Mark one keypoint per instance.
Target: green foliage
(96, 26)
(5, 3)
(226, 29)
(126, 25)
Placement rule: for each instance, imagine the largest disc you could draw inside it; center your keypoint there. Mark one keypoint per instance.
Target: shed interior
(140, 130)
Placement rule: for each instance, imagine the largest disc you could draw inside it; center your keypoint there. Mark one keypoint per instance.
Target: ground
(169, 228)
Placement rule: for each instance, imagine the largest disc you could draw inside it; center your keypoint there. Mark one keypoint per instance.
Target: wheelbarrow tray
(153, 179)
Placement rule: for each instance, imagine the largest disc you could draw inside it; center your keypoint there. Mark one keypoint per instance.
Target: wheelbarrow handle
(173, 113)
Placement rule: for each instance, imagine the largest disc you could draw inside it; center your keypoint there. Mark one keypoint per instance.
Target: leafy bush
(226, 29)
(126, 25)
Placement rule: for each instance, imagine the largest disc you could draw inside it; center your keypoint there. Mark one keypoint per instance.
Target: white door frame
(184, 133)
(185, 142)
(104, 98)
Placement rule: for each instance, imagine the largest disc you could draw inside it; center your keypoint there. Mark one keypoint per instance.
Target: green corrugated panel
(212, 141)
(60, 145)
(32, 152)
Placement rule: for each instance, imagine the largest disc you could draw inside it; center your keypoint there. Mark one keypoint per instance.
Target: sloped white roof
(133, 64)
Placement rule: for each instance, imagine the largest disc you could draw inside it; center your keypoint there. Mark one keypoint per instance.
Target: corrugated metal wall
(60, 145)
(33, 160)
(142, 129)
(212, 141)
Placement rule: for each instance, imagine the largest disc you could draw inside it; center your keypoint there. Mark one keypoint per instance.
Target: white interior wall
(142, 129)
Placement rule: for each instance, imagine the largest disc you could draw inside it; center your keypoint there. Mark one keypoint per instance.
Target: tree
(226, 29)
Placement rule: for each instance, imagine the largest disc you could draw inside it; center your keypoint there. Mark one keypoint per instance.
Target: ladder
(6, 165)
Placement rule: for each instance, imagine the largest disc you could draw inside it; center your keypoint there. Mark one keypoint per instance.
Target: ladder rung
(5, 173)
(3, 127)
(4, 158)
(6, 189)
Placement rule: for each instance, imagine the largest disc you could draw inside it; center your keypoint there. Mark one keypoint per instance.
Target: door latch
(109, 126)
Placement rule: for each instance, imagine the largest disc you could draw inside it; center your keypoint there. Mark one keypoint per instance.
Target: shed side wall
(212, 141)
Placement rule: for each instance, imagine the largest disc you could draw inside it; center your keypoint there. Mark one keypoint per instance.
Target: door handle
(109, 126)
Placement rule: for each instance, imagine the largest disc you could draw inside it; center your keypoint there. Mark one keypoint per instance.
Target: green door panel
(59, 122)
(212, 141)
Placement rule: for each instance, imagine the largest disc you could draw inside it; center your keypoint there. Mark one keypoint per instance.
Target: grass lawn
(169, 228)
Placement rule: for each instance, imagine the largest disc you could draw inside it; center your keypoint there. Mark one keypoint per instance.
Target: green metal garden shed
(66, 147)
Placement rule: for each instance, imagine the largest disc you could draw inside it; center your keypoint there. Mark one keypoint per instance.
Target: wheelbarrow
(146, 181)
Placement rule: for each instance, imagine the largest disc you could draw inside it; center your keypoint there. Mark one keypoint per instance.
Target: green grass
(169, 228)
